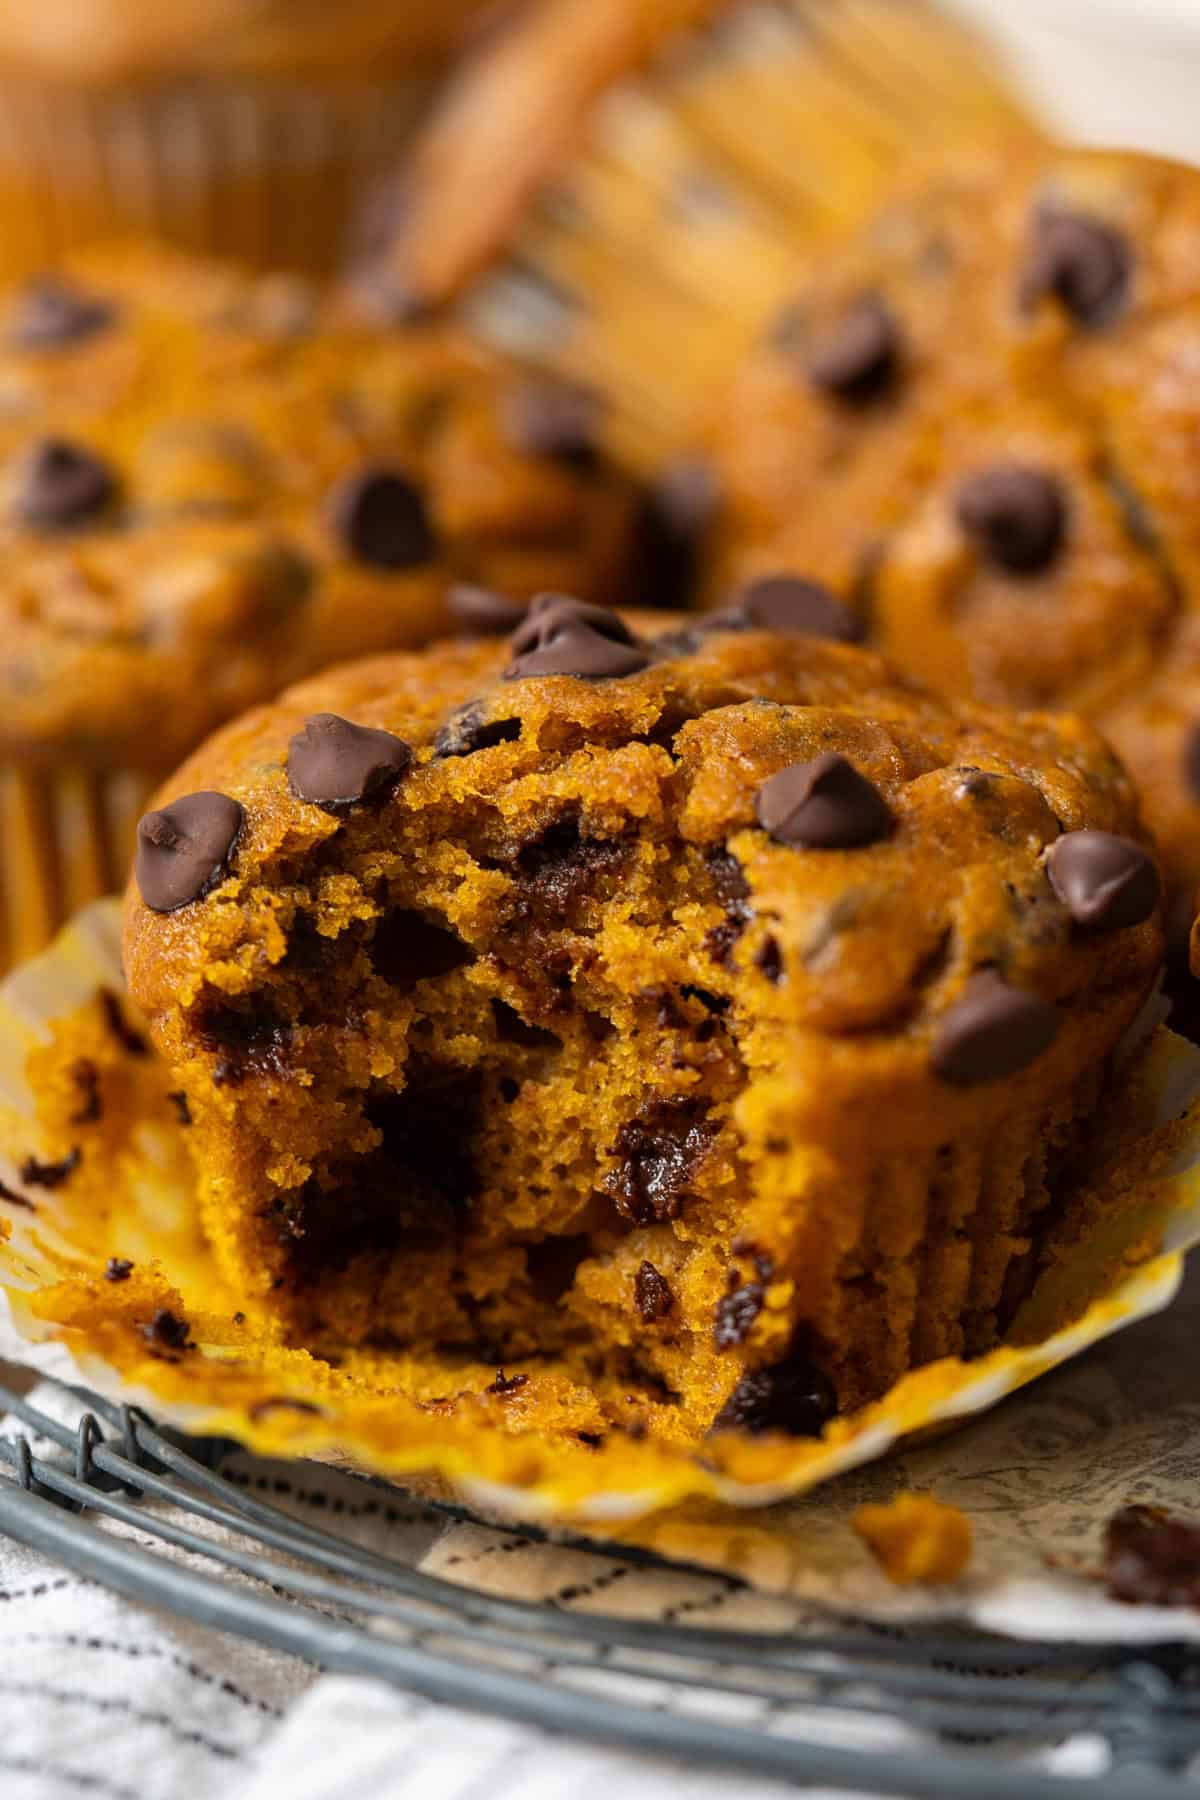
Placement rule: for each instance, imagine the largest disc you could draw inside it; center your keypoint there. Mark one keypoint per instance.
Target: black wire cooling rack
(980, 1711)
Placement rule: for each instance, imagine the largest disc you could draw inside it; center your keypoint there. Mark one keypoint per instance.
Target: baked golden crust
(222, 422)
(578, 1036)
(1045, 310)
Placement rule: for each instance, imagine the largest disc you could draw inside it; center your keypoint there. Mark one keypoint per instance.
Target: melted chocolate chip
(179, 1101)
(246, 1036)
(506, 1384)
(118, 1268)
(49, 312)
(793, 1397)
(167, 1330)
(733, 891)
(561, 636)
(480, 612)
(652, 1294)
(407, 947)
(131, 1041)
(86, 1078)
(791, 603)
(468, 730)
(858, 360)
(1152, 1559)
(57, 485)
(1015, 515)
(992, 1031)
(770, 960)
(379, 516)
(824, 804)
(736, 1311)
(334, 764)
(660, 1150)
(183, 850)
(50, 1174)
(1106, 882)
(553, 418)
(1083, 263)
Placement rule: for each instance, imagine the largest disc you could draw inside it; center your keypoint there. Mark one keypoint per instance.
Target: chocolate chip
(991, 1031)
(770, 960)
(86, 1077)
(552, 418)
(379, 517)
(167, 1329)
(334, 764)
(561, 636)
(736, 1311)
(48, 312)
(824, 804)
(50, 1174)
(179, 1101)
(791, 603)
(1105, 882)
(183, 849)
(132, 1042)
(859, 358)
(1015, 514)
(733, 891)
(506, 1384)
(1083, 263)
(468, 730)
(118, 1268)
(660, 1150)
(56, 485)
(1151, 1558)
(652, 1292)
(673, 522)
(794, 1397)
(480, 612)
(1191, 760)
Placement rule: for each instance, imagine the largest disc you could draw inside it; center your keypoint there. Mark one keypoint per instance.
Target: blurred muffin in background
(229, 126)
(212, 483)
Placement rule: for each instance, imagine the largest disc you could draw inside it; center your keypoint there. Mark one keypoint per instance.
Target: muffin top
(904, 896)
(211, 483)
(978, 422)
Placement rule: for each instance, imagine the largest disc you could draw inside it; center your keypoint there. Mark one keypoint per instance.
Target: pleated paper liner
(674, 230)
(265, 170)
(158, 1326)
(68, 835)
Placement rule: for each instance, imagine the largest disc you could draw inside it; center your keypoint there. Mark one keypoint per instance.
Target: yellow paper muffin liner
(68, 835)
(235, 1379)
(267, 170)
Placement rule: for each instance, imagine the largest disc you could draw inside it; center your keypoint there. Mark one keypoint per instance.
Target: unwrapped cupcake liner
(68, 836)
(267, 171)
(234, 1378)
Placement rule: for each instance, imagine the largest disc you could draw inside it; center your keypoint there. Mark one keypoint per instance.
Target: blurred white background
(1119, 72)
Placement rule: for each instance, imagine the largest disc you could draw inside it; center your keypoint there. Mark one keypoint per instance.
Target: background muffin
(211, 484)
(227, 126)
(532, 1003)
(1008, 500)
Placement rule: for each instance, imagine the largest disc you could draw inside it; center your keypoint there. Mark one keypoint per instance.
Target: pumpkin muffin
(213, 483)
(1003, 482)
(707, 1019)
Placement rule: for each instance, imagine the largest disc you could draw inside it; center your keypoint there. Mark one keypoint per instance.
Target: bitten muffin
(708, 1020)
(977, 423)
(211, 484)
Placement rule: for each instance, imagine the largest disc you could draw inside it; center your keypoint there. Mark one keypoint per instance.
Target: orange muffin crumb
(915, 1539)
